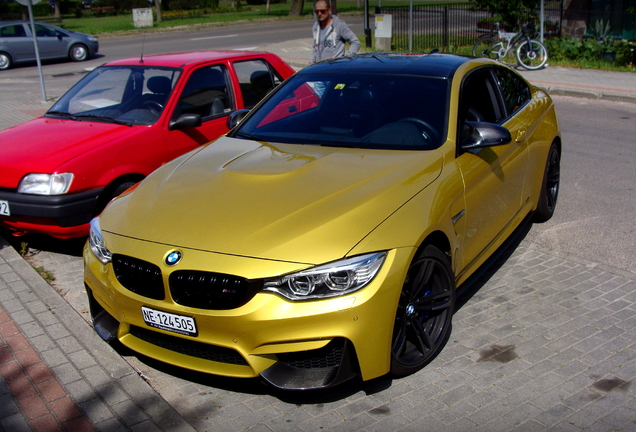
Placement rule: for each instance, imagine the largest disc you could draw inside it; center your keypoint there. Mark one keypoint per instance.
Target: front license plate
(4, 208)
(168, 321)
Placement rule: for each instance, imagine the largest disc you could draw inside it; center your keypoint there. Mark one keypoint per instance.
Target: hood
(43, 144)
(295, 203)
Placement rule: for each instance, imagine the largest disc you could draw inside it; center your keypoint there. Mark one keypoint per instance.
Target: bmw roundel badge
(173, 258)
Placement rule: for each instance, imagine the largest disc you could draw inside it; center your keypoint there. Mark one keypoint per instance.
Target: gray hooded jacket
(334, 45)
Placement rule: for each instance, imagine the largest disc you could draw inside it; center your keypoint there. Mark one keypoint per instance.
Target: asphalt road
(595, 214)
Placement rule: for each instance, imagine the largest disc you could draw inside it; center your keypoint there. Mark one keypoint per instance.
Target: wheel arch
(109, 191)
(440, 240)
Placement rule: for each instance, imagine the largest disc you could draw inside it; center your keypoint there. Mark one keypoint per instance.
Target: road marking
(215, 37)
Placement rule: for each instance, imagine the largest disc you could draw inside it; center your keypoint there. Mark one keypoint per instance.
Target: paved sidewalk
(548, 342)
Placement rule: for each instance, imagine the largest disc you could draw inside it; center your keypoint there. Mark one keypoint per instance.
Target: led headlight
(45, 184)
(329, 280)
(96, 242)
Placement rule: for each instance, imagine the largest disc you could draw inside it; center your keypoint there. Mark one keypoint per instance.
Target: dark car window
(515, 90)
(12, 31)
(479, 99)
(206, 93)
(256, 78)
(41, 31)
(353, 110)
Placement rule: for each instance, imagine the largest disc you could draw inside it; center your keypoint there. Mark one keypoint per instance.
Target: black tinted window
(515, 90)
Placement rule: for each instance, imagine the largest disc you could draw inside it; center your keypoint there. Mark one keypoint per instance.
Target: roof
(434, 65)
(184, 58)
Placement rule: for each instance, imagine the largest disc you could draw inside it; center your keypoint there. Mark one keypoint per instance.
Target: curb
(106, 388)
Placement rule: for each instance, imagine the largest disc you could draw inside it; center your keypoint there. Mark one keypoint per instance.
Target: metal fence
(427, 26)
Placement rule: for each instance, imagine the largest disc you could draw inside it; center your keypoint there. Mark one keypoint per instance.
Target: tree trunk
(297, 7)
(334, 8)
(158, 10)
(58, 13)
(267, 8)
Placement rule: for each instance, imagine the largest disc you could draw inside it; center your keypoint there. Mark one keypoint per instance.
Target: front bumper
(292, 345)
(62, 216)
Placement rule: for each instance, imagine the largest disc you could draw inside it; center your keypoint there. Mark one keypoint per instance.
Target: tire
(532, 55)
(78, 53)
(486, 47)
(425, 311)
(5, 61)
(550, 186)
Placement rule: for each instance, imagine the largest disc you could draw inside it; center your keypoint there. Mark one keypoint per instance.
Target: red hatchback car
(117, 125)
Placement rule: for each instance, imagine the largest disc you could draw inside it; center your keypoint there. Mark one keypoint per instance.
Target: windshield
(353, 110)
(124, 94)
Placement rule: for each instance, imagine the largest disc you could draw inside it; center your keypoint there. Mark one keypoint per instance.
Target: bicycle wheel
(486, 47)
(532, 55)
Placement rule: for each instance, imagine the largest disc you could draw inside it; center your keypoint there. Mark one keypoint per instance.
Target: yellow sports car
(324, 236)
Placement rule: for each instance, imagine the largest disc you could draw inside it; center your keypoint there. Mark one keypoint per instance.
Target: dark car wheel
(425, 310)
(79, 53)
(5, 61)
(550, 186)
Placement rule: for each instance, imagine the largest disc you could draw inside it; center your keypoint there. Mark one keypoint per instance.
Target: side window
(206, 93)
(515, 90)
(13, 31)
(256, 79)
(41, 31)
(479, 101)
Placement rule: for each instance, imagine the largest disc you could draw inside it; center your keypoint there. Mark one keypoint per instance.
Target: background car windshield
(130, 94)
(353, 110)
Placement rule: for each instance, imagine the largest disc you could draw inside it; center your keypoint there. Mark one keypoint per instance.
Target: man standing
(330, 34)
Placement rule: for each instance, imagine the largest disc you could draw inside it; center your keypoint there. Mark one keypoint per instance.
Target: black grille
(212, 291)
(140, 277)
(326, 357)
(189, 347)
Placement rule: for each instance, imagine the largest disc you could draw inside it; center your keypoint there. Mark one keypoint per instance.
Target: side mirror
(482, 134)
(186, 121)
(235, 118)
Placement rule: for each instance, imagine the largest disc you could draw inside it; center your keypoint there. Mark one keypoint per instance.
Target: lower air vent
(140, 277)
(326, 357)
(189, 347)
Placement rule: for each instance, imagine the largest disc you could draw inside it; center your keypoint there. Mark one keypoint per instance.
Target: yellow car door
(494, 176)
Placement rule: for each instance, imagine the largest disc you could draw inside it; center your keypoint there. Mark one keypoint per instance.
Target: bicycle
(531, 54)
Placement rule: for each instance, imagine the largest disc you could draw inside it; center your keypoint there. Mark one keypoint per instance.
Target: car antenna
(143, 43)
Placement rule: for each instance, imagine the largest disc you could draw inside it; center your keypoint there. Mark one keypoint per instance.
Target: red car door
(208, 93)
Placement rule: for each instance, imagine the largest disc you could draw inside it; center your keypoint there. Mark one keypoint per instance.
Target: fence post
(446, 32)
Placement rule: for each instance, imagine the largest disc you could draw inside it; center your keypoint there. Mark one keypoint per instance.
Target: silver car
(16, 43)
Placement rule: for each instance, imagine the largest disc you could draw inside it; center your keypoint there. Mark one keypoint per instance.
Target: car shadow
(32, 63)
(257, 386)
(31, 244)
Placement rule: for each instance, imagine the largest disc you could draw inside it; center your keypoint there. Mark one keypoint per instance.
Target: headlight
(45, 184)
(329, 280)
(96, 242)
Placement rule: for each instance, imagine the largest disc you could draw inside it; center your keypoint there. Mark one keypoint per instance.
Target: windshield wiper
(62, 114)
(100, 117)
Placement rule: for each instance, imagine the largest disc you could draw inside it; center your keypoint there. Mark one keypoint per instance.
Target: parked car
(118, 124)
(16, 43)
(325, 235)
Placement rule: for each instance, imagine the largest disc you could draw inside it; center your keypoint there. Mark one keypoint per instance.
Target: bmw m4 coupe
(324, 236)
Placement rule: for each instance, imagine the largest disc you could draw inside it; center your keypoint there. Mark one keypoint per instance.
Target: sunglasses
(319, 11)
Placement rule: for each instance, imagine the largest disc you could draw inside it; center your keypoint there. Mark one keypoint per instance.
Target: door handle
(520, 135)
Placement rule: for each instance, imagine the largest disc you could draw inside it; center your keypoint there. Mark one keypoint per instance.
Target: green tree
(511, 13)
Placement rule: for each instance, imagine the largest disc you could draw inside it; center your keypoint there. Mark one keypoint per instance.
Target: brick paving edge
(105, 376)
